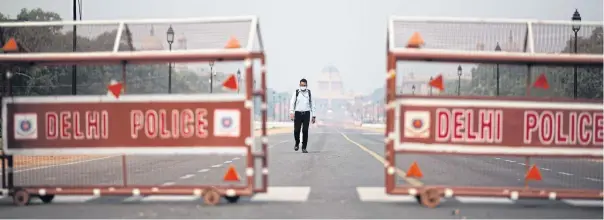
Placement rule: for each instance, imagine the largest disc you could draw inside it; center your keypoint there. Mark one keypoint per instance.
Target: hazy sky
(301, 37)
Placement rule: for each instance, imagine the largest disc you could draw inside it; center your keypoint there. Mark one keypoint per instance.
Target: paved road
(336, 179)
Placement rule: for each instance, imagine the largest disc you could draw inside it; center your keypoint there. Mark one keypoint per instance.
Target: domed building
(151, 42)
(330, 91)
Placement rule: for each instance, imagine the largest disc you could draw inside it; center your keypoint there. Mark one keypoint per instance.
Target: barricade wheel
(21, 197)
(47, 198)
(211, 197)
(232, 199)
(430, 198)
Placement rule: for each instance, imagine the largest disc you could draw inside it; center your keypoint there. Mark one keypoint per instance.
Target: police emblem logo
(25, 126)
(227, 123)
(417, 124)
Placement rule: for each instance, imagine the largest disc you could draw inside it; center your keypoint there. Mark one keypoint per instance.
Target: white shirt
(302, 104)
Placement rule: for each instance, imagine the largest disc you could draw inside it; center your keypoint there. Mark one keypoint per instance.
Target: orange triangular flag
(414, 171)
(10, 46)
(541, 82)
(437, 83)
(533, 174)
(231, 174)
(415, 41)
(115, 89)
(233, 43)
(230, 83)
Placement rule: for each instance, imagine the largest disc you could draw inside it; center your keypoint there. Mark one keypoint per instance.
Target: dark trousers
(301, 120)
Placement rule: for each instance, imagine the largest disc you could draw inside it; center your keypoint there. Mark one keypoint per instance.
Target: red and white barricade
(481, 131)
(154, 125)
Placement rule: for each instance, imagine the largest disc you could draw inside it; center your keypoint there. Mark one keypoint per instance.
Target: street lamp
(170, 39)
(211, 77)
(459, 80)
(576, 27)
(498, 49)
(413, 90)
(238, 80)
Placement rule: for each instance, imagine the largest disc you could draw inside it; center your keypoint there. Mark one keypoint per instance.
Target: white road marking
(580, 202)
(483, 200)
(168, 183)
(283, 194)
(187, 176)
(497, 158)
(545, 169)
(236, 158)
(510, 161)
(228, 161)
(169, 198)
(203, 170)
(73, 199)
(593, 179)
(378, 194)
(566, 174)
(523, 164)
(217, 165)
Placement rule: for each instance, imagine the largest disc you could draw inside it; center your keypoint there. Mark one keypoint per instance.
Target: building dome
(330, 74)
(151, 42)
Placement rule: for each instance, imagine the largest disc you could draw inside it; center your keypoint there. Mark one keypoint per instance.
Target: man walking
(302, 111)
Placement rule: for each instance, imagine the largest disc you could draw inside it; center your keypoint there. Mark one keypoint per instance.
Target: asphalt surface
(336, 179)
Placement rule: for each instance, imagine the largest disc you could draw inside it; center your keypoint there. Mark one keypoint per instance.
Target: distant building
(330, 91)
(181, 44)
(151, 42)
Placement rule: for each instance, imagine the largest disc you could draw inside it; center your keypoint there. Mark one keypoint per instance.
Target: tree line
(31, 80)
(512, 81)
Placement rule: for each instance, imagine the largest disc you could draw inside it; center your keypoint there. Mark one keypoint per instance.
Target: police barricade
(124, 142)
(450, 144)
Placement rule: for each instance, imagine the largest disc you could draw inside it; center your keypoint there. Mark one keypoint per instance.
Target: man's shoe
(296, 148)
(304, 151)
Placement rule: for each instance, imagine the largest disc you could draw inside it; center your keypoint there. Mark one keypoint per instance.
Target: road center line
(566, 174)
(399, 172)
(187, 176)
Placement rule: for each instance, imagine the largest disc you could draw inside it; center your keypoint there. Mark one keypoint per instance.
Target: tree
(513, 77)
(92, 79)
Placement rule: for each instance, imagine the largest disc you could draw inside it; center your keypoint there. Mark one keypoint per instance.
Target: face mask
(303, 88)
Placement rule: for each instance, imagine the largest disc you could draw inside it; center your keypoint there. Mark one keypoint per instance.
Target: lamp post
(459, 80)
(211, 77)
(498, 49)
(413, 90)
(238, 80)
(576, 27)
(74, 42)
(170, 39)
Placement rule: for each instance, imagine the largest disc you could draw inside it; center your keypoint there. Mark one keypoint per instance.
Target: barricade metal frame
(429, 195)
(249, 52)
